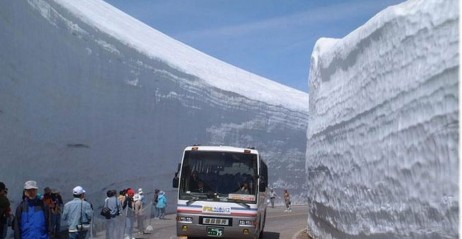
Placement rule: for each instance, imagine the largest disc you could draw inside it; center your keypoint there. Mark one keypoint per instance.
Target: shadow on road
(271, 235)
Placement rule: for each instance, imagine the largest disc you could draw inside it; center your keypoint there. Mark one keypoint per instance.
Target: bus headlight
(246, 223)
(185, 219)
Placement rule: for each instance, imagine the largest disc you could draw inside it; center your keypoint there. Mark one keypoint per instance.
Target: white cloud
(305, 19)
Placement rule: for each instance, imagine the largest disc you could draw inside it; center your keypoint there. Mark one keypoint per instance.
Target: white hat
(78, 190)
(136, 197)
(30, 185)
(140, 190)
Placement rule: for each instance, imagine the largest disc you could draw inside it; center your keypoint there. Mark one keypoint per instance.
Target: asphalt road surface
(279, 224)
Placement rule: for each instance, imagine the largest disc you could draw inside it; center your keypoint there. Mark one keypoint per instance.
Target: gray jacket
(114, 204)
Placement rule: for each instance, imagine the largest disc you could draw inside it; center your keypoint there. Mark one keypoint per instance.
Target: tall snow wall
(79, 106)
(382, 151)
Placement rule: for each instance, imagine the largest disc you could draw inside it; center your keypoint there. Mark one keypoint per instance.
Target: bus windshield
(219, 176)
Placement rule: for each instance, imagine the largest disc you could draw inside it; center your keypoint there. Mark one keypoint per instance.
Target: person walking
(32, 215)
(78, 214)
(114, 204)
(154, 203)
(142, 198)
(5, 210)
(139, 213)
(129, 206)
(50, 199)
(56, 213)
(161, 204)
(287, 201)
(273, 196)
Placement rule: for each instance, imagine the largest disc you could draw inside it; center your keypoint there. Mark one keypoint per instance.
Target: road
(282, 225)
(279, 224)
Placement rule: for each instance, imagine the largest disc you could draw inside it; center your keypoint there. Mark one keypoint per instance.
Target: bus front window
(225, 175)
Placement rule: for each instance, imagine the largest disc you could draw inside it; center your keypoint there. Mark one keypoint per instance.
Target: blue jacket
(162, 201)
(76, 212)
(32, 220)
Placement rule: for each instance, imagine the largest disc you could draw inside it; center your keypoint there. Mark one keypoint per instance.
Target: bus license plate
(215, 221)
(215, 231)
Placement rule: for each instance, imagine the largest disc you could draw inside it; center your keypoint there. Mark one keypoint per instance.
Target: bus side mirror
(262, 186)
(175, 181)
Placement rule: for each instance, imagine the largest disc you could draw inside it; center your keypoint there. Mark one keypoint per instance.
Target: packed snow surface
(89, 96)
(155, 44)
(382, 151)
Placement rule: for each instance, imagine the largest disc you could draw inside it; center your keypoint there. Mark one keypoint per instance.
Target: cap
(131, 192)
(47, 190)
(30, 185)
(140, 190)
(78, 190)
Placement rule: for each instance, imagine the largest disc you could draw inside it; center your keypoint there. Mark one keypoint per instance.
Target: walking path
(155, 223)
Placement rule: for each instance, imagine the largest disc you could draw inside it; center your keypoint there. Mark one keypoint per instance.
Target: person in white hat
(78, 214)
(139, 213)
(32, 215)
(142, 198)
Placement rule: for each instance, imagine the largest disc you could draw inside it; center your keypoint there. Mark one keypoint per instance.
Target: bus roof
(222, 149)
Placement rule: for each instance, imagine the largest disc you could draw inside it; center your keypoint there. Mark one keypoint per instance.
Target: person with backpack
(78, 214)
(139, 213)
(142, 198)
(129, 207)
(32, 216)
(113, 203)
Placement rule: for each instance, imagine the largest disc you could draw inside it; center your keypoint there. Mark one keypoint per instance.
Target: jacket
(114, 204)
(77, 212)
(32, 220)
(129, 207)
(162, 201)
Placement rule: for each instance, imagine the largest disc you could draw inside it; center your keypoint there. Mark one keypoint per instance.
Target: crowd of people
(38, 216)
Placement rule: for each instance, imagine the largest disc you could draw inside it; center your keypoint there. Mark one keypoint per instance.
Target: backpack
(106, 212)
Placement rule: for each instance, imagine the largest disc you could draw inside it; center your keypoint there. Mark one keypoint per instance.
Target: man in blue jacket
(32, 216)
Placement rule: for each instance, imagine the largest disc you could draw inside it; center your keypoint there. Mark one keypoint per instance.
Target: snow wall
(382, 151)
(79, 106)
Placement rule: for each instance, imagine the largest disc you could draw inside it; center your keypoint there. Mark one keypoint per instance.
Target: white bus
(221, 192)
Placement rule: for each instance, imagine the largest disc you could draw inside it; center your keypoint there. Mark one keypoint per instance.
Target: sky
(271, 38)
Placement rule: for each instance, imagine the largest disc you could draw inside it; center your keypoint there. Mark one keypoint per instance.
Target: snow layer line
(382, 151)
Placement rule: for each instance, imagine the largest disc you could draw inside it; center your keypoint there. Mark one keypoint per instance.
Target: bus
(222, 192)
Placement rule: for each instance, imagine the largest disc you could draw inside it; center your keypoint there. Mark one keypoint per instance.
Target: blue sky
(271, 38)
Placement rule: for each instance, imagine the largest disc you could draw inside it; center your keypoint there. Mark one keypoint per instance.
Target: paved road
(279, 224)
(282, 225)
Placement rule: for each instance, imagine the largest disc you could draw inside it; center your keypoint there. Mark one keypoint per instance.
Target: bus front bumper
(212, 231)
